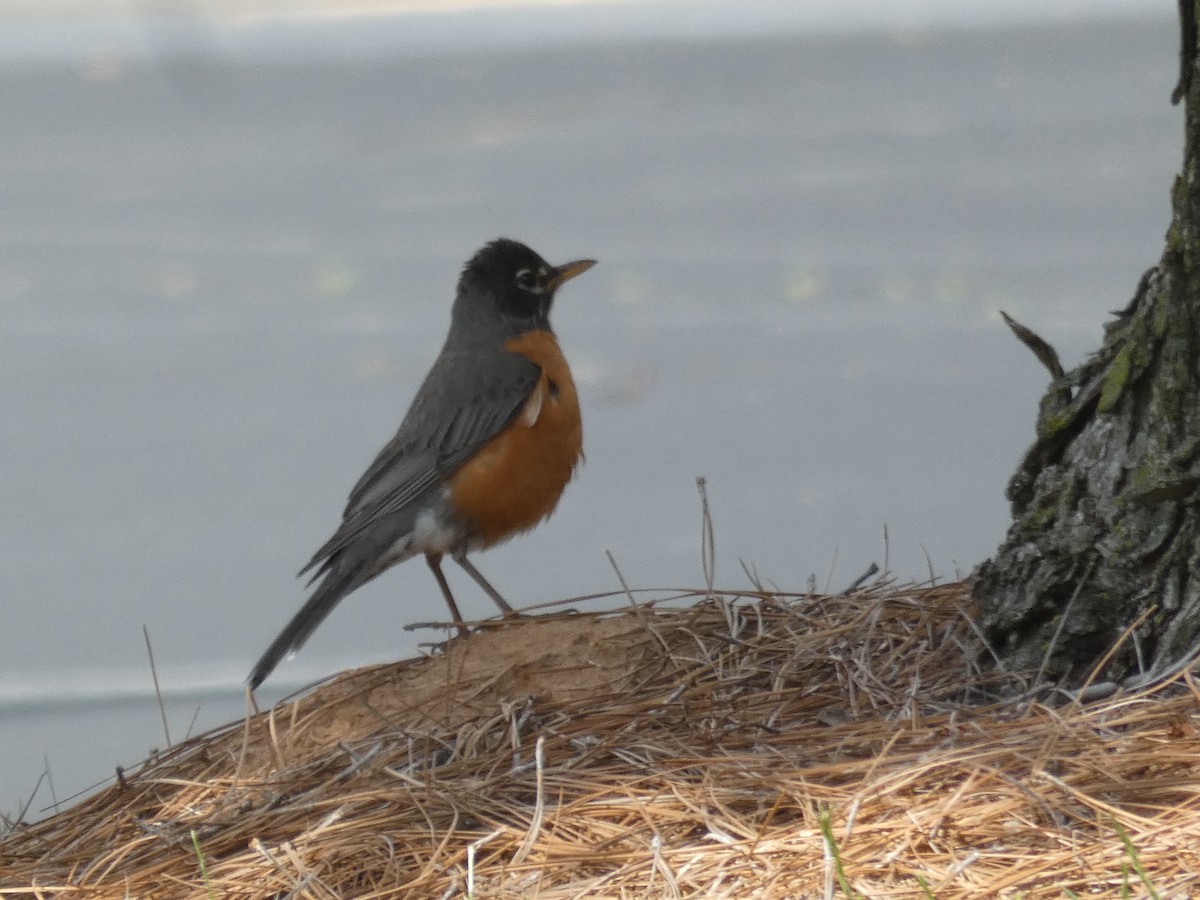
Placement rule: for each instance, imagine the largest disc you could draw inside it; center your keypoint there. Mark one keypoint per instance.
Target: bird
(491, 439)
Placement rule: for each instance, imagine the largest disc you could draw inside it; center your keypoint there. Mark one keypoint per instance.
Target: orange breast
(516, 479)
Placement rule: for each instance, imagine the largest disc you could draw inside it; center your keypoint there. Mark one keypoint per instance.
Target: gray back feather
(471, 393)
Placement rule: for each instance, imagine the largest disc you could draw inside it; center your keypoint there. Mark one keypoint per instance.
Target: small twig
(1098, 690)
(49, 781)
(1141, 680)
(984, 642)
(357, 761)
(612, 561)
(752, 575)
(708, 540)
(472, 849)
(433, 625)
(957, 869)
(1112, 651)
(1137, 651)
(245, 745)
(28, 803)
(659, 864)
(933, 578)
(191, 724)
(851, 815)
(451, 888)
(1062, 621)
(162, 709)
(1046, 354)
(260, 848)
(857, 582)
(539, 804)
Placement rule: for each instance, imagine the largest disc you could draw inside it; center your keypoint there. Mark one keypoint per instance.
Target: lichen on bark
(1104, 548)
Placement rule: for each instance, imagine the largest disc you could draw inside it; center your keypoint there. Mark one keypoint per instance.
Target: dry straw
(760, 745)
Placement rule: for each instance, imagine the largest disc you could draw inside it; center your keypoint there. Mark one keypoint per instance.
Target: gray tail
(334, 586)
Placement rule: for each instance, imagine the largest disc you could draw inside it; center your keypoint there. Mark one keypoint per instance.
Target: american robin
(484, 452)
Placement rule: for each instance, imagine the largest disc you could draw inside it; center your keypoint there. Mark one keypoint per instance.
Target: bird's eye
(526, 280)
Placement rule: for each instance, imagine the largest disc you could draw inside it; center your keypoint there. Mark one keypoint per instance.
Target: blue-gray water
(222, 277)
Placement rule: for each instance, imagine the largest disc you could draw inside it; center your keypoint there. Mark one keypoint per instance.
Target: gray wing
(467, 398)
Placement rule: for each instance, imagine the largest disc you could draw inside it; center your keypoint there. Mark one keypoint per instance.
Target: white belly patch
(431, 534)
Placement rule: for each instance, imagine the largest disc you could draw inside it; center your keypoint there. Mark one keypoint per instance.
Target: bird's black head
(508, 284)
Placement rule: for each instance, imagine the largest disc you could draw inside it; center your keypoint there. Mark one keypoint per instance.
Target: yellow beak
(567, 271)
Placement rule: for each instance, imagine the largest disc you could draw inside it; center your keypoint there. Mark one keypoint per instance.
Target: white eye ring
(526, 280)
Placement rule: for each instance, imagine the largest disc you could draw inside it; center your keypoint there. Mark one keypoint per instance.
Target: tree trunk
(1099, 575)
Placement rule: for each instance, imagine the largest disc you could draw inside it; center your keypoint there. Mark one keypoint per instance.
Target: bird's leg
(461, 559)
(435, 563)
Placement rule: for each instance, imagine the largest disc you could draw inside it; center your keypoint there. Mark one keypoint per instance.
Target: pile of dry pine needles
(759, 744)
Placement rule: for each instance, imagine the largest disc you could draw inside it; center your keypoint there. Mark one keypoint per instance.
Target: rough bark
(1099, 575)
